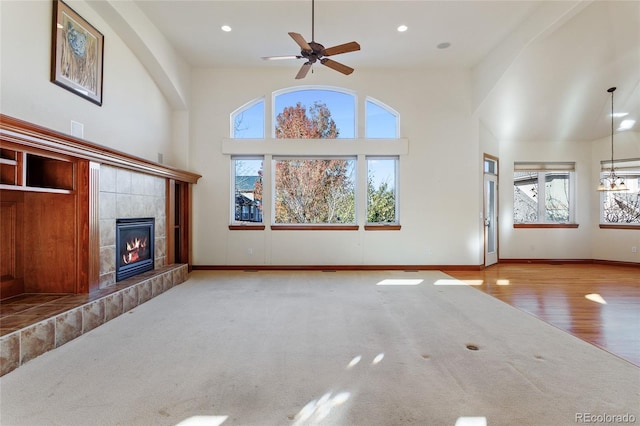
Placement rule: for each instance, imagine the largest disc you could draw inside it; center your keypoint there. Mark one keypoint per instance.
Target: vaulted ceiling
(540, 69)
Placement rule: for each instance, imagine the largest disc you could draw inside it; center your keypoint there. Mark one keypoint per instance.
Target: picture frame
(77, 51)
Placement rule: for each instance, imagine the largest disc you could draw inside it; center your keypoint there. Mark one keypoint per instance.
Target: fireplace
(134, 246)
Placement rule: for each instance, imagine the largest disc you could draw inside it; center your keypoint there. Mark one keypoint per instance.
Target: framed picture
(76, 54)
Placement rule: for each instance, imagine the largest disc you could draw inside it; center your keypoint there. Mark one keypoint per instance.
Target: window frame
(385, 107)
(287, 90)
(233, 222)
(247, 106)
(270, 147)
(622, 165)
(315, 226)
(543, 169)
(395, 225)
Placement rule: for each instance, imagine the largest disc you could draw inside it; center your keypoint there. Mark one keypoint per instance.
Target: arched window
(247, 122)
(381, 120)
(340, 104)
(315, 184)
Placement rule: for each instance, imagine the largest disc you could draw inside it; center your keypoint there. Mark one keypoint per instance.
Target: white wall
(587, 241)
(546, 243)
(134, 118)
(438, 225)
(613, 244)
(440, 178)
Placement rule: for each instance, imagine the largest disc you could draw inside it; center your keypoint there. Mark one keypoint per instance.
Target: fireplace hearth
(134, 246)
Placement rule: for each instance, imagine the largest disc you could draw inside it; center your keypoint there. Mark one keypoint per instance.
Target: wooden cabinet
(11, 244)
(49, 196)
(10, 167)
(178, 221)
(30, 171)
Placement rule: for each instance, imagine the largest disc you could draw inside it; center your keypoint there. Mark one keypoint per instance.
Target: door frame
(493, 258)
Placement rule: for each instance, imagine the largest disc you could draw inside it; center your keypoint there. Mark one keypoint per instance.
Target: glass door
(490, 197)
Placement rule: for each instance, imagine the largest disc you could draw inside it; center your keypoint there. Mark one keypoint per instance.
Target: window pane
(381, 123)
(556, 196)
(249, 122)
(314, 114)
(491, 214)
(525, 197)
(490, 167)
(381, 190)
(314, 191)
(624, 206)
(248, 190)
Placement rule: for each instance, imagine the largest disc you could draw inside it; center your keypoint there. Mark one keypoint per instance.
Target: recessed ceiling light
(626, 124)
(225, 28)
(443, 45)
(402, 28)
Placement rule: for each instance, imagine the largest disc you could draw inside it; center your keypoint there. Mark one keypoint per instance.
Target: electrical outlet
(634, 249)
(250, 252)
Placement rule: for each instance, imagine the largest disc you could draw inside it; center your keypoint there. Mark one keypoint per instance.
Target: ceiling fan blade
(337, 66)
(303, 70)
(341, 48)
(277, 58)
(301, 41)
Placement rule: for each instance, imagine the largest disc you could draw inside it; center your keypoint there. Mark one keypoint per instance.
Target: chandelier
(612, 182)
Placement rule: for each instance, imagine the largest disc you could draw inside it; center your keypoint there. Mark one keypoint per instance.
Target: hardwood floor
(555, 293)
(597, 303)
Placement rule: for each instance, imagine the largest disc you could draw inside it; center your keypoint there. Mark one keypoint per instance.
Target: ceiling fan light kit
(315, 52)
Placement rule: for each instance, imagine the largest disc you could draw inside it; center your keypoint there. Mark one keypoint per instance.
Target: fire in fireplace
(134, 246)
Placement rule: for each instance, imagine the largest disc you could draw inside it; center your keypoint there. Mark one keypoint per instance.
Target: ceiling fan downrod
(313, 11)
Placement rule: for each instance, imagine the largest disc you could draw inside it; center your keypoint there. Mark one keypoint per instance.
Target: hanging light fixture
(612, 182)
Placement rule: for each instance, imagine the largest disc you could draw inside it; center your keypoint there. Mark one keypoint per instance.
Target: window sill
(314, 227)
(246, 227)
(545, 225)
(608, 226)
(382, 227)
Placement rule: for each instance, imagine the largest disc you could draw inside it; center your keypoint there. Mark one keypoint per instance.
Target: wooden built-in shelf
(49, 193)
(10, 167)
(26, 171)
(46, 172)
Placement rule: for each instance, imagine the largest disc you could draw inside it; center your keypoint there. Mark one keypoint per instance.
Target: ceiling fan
(314, 52)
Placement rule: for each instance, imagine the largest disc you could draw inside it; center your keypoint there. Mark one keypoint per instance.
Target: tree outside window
(318, 189)
(312, 190)
(248, 121)
(623, 207)
(542, 195)
(339, 104)
(315, 191)
(381, 190)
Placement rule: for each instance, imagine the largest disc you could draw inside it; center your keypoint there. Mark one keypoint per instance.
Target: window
(382, 202)
(248, 121)
(542, 193)
(622, 207)
(314, 191)
(382, 121)
(490, 166)
(247, 183)
(311, 183)
(315, 103)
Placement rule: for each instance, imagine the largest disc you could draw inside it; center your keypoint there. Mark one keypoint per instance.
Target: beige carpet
(331, 348)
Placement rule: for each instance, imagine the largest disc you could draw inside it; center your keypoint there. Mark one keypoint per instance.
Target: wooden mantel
(49, 193)
(13, 130)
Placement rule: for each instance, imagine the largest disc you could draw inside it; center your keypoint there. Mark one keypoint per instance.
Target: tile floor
(32, 324)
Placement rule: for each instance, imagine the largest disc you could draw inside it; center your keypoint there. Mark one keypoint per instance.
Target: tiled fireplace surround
(126, 194)
(123, 194)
